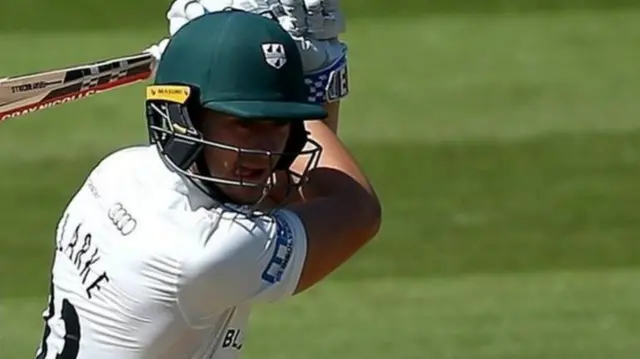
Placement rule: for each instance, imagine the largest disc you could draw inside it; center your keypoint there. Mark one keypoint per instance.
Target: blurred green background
(503, 137)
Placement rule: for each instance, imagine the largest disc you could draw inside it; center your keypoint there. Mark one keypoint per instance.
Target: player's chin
(245, 194)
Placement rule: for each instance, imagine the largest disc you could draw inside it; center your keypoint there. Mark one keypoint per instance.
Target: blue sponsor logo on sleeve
(281, 253)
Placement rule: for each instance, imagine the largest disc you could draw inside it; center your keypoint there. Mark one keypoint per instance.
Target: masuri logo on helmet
(176, 94)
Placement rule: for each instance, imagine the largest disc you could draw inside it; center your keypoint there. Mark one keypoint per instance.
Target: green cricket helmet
(239, 64)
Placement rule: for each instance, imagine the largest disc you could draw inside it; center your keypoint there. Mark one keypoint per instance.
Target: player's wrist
(329, 83)
(333, 118)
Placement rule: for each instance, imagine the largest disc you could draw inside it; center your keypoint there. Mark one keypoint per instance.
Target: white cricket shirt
(148, 266)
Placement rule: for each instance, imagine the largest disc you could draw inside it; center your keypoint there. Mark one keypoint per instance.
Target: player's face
(260, 135)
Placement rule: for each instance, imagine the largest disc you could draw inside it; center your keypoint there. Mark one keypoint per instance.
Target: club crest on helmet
(274, 55)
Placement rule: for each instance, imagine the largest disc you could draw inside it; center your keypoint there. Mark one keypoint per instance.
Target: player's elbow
(373, 214)
(377, 223)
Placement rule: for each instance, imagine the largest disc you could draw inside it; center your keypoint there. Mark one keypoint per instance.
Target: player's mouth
(250, 174)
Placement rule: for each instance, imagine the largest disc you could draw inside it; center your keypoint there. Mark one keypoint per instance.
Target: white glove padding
(319, 19)
(157, 49)
(314, 24)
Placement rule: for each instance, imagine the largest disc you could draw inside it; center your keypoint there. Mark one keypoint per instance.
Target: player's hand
(315, 25)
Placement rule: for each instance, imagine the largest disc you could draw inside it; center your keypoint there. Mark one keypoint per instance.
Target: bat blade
(25, 94)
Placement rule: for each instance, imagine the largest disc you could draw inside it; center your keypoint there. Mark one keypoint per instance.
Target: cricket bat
(25, 94)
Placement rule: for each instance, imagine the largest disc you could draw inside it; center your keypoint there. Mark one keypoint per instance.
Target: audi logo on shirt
(122, 219)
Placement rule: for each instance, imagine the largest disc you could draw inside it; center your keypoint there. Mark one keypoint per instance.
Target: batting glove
(315, 25)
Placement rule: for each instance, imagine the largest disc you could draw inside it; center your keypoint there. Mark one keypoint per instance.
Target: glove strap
(329, 84)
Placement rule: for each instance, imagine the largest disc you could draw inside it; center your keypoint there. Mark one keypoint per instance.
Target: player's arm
(240, 258)
(339, 208)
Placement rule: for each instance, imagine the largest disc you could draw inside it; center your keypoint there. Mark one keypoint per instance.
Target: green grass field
(506, 150)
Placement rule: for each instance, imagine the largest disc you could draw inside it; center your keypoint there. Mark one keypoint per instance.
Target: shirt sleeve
(245, 259)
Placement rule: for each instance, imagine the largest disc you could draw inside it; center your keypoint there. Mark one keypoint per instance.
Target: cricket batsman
(244, 195)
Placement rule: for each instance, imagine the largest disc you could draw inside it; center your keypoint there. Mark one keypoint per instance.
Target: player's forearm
(339, 208)
(339, 180)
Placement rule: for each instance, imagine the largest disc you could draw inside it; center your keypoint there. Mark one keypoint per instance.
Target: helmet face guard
(181, 144)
